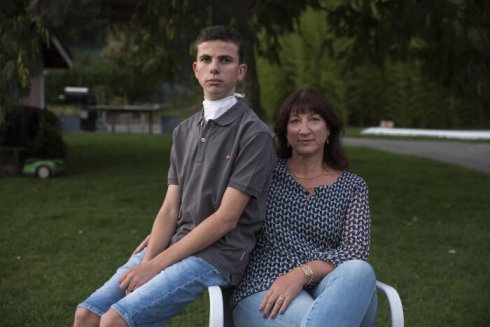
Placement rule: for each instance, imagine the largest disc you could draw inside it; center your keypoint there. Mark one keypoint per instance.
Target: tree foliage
(136, 64)
(449, 39)
(301, 63)
(178, 22)
(412, 61)
(25, 29)
(170, 24)
(364, 92)
(22, 36)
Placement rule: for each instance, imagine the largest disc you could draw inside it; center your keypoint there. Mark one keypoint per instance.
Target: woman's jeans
(345, 297)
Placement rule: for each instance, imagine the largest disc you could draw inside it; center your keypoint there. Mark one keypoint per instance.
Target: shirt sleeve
(253, 166)
(356, 233)
(172, 174)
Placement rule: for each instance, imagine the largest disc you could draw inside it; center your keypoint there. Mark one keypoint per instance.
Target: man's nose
(214, 67)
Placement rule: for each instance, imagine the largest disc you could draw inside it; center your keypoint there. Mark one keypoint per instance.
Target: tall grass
(61, 238)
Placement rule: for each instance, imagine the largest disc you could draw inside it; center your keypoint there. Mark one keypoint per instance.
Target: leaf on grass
(411, 222)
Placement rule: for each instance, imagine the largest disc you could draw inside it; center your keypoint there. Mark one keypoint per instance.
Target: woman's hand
(284, 289)
(142, 245)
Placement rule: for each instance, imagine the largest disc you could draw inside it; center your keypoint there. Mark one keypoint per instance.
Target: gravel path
(471, 155)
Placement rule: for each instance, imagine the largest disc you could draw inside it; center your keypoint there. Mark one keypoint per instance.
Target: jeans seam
(200, 277)
(91, 308)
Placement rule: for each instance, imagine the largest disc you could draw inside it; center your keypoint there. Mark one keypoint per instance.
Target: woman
(309, 268)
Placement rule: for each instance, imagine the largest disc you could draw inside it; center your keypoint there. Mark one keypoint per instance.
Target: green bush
(49, 141)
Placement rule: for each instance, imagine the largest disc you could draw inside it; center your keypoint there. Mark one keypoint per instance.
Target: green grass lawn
(61, 238)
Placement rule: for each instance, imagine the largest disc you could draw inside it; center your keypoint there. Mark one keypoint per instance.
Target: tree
(176, 23)
(301, 63)
(448, 38)
(22, 36)
(137, 65)
(172, 24)
(25, 30)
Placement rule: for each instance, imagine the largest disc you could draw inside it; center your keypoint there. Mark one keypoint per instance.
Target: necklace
(310, 190)
(324, 172)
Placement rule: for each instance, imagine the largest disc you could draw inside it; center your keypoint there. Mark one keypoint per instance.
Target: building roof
(56, 55)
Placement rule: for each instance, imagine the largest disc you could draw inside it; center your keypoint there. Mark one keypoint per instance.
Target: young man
(220, 168)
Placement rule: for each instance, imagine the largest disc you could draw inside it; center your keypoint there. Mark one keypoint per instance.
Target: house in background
(54, 56)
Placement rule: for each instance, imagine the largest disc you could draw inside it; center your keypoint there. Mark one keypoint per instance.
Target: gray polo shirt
(235, 150)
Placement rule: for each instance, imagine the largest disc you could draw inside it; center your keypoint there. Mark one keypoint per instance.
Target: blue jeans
(161, 298)
(345, 297)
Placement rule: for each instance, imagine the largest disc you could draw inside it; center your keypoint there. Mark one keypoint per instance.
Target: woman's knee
(358, 270)
(353, 272)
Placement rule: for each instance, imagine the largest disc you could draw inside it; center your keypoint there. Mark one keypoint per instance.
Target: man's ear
(242, 71)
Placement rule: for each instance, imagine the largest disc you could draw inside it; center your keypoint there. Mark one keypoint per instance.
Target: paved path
(470, 155)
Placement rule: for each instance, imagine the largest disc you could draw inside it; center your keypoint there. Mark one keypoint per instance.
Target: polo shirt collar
(229, 116)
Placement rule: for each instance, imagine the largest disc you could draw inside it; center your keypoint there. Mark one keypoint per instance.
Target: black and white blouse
(332, 225)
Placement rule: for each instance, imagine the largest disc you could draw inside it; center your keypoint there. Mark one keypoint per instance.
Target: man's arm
(206, 233)
(165, 223)
(210, 230)
(162, 231)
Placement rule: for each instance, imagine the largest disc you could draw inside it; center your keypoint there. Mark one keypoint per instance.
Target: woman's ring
(280, 298)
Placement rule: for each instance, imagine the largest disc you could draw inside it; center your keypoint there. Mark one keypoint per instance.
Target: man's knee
(84, 317)
(112, 319)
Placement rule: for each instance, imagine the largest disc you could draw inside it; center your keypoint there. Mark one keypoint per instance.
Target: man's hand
(138, 276)
(284, 289)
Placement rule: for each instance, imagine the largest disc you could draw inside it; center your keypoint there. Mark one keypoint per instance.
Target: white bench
(220, 314)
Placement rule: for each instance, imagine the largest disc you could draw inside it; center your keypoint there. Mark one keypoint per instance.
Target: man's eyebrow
(225, 56)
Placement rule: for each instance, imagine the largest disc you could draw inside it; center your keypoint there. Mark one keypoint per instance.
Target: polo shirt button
(203, 139)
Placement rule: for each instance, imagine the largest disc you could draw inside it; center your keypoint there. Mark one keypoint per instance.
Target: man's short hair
(222, 33)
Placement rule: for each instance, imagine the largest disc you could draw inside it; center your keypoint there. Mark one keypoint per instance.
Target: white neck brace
(214, 109)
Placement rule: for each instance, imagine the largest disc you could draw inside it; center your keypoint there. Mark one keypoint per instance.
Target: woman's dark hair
(222, 33)
(310, 100)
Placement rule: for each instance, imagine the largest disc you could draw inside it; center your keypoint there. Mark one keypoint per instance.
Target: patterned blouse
(333, 225)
